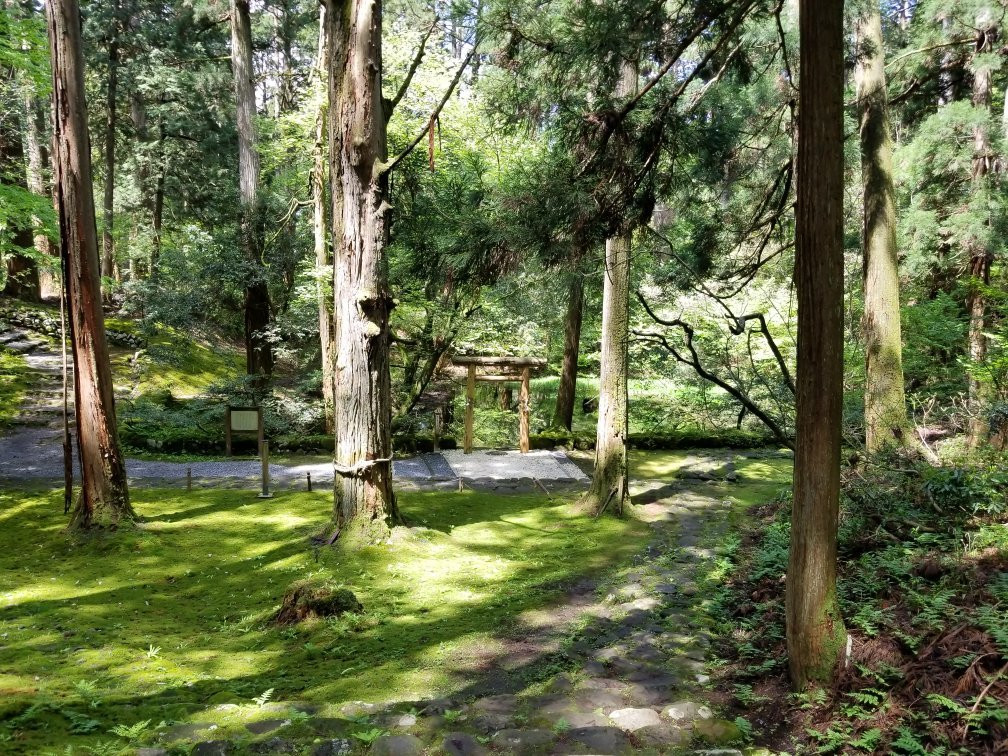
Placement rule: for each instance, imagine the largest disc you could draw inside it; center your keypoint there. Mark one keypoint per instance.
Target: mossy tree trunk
(885, 411)
(104, 499)
(978, 247)
(563, 412)
(609, 486)
(815, 630)
(364, 504)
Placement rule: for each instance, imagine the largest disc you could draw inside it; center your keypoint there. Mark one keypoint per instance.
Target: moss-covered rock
(308, 600)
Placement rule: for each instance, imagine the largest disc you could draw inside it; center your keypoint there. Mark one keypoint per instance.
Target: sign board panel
(245, 420)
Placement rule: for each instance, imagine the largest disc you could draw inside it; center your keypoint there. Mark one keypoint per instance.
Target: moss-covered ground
(173, 362)
(163, 622)
(15, 379)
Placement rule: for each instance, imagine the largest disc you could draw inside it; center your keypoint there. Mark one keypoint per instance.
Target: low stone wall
(50, 326)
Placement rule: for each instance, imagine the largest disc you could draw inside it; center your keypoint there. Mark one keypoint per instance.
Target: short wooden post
(264, 452)
(227, 432)
(438, 427)
(188, 479)
(309, 482)
(467, 445)
(523, 416)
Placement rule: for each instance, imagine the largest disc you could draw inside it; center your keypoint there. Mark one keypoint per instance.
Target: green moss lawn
(158, 625)
(14, 382)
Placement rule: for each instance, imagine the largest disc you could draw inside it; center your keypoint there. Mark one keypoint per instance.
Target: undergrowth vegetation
(923, 586)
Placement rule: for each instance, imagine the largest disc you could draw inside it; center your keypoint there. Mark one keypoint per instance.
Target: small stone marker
(309, 482)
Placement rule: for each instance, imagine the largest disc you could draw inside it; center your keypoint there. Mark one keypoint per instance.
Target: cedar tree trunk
(104, 499)
(815, 632)
(884, 399)
(563, 413)
(258, 352)
(364, 503)
(980, 254)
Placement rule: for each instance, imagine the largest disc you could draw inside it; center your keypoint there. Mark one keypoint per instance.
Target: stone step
(8, 336)
(25, 345)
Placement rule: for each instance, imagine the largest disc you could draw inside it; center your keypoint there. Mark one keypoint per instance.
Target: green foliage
(913, 545)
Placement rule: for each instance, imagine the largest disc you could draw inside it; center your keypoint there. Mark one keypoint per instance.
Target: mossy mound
(307, 600)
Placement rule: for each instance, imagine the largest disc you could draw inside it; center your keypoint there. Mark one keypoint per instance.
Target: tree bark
(980, 254)
(364, 504)
(38, 161)
(108, 217)
(22, 272)
(816, 636)
(323, 260)
(104, 499)
(563, 412)
(258, 351)
(884, 399)
(610, 487)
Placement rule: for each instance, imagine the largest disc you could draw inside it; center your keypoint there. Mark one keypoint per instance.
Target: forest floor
(501, 621)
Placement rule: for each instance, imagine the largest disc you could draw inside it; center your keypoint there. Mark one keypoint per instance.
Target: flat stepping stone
(688, 711)
(631, 720)
(717, 731)
(600, 740)
(359, 709)
(462, 744)
(522, 741)
(494, 712)
(334, 747)
(397, 745)
(396, 720)
(213, 748)
(264, 726)
(274, 745)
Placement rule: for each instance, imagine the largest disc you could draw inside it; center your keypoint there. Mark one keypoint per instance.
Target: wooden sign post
(243, 420)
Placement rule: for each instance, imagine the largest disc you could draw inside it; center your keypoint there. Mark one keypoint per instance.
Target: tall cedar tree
(104, 499)
(258, 351)
(815, 632)
(111, 95)
(609, 486)
(977, 245)
(364, 503)
(884, 398)
(320, 234)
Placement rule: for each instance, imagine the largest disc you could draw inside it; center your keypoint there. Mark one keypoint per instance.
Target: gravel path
(32, 449)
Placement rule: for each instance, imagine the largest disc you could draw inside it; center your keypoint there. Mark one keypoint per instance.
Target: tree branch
(694, 362)
(391, 164)
(391, 105)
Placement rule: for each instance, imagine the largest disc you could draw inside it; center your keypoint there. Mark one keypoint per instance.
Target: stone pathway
(632, 648)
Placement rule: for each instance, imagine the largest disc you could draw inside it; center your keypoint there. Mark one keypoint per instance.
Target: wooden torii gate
(498, 370)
